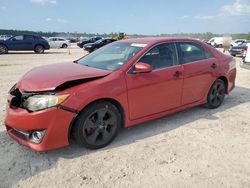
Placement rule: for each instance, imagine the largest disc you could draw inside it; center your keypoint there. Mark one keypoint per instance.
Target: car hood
(50, 77)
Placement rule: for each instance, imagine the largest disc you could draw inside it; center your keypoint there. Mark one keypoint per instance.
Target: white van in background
(217, 42)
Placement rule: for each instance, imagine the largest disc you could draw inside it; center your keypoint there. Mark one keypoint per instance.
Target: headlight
(40, 102)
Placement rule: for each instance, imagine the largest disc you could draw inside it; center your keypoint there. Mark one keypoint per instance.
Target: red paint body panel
(155, 92)
(48, 77)
(55, 121)
(197, 80)
(143, 97)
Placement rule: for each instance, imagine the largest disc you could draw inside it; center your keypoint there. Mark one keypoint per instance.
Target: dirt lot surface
(194, 148)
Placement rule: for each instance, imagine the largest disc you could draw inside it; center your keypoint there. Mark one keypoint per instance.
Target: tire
(97, 125)
(39, 49)
(3, 49)
(64, 46)
(216, 94)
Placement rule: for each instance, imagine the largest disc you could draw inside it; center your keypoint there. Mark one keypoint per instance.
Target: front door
(17, 43)
(159, 90)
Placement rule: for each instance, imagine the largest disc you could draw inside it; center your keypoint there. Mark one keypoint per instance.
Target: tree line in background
(201, 36)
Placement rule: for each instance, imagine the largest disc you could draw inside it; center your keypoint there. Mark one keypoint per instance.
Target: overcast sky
(129, 16)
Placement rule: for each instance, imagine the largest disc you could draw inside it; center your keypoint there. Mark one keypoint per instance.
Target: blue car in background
(23, 43)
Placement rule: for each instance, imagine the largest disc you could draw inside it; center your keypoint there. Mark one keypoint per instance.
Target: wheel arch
(39, 44)
(64, 44)
(224, 79)
(4, 45)
(116, 103)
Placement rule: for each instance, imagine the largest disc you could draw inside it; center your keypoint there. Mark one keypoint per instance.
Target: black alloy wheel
(97, 125)
(216, 94)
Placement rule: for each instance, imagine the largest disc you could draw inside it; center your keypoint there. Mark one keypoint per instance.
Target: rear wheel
(216, 94)
(64, 46)
(39, 49)
(3, 49)
(97, 125)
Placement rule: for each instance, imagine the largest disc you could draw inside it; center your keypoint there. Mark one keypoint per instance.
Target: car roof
(152, 40)
(57, 38)
(34, 35)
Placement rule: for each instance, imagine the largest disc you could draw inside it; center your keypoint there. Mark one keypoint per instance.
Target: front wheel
(3, 49)
(39, 49)
(97, 125)
(216, 94)
(64, 46)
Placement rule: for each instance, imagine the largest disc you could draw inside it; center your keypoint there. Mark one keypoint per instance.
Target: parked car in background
(120, 85)
(86, 41)
(23, 43)
(238, 50)
(237, 42)
(4, 37)
(90, 47)
(205, 40)
(73, 39)
(217, 42)
(245, 63)
(58, 42)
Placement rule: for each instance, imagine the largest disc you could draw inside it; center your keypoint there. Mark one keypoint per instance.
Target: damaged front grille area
(17, 99)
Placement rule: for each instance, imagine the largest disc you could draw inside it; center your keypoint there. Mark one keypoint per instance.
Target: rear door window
(28, 37)
(191, 52)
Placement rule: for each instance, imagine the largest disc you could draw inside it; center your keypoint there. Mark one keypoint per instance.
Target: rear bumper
(55, 121)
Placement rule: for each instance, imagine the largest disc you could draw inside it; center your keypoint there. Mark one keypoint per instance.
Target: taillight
(244, 53)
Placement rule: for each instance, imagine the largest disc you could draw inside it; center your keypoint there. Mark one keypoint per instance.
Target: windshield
(112, 56)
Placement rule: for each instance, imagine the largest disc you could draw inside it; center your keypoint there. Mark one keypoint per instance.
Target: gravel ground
(194, 148)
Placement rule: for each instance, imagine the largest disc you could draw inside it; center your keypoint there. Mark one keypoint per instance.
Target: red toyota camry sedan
(119, 85)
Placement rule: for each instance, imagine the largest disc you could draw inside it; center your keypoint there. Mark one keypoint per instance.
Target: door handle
(213, 65)
(177, 74)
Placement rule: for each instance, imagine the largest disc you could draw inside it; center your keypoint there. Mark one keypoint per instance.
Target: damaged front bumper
(42, 130)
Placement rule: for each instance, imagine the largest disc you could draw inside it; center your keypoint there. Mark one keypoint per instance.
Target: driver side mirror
(142, 68)
(13, 39)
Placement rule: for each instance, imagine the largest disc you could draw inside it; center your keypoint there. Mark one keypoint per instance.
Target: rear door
(199, 71)
(28, 42)
(159, 90)
(59, 42)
